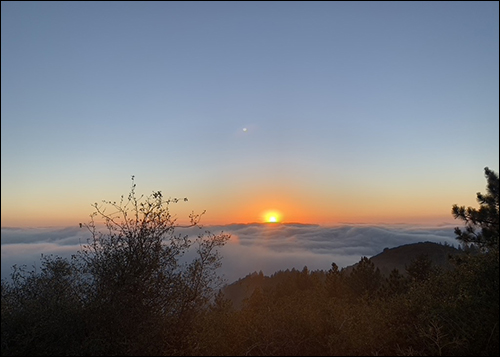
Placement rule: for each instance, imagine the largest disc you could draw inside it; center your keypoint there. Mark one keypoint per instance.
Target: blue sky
(355, 111)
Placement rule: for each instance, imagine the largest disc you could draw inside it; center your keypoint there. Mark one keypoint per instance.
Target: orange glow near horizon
(286, 204)
(245, 215)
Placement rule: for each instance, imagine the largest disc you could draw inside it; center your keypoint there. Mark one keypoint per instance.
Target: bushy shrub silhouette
(130, 290)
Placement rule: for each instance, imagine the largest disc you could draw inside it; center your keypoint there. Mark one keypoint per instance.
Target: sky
(322, 112)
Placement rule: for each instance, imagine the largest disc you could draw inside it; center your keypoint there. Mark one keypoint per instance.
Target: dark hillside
(401, 257)
(391, 258)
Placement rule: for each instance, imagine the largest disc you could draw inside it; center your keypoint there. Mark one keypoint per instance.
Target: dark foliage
(129, 291)
(482, 224)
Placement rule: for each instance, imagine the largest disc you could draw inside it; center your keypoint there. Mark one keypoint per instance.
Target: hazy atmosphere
(252, 247)
(323, 112)
(215, 178)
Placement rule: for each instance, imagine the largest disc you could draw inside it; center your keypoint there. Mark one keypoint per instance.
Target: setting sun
(272, 217)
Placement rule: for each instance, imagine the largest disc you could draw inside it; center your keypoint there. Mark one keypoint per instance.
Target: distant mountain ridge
(400, 257)
(389, 259)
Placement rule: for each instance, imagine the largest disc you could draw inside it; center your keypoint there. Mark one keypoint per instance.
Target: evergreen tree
(365, 279)
(481, 225)
(420, 269)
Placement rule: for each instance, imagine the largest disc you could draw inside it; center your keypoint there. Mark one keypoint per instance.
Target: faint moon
(245, 129)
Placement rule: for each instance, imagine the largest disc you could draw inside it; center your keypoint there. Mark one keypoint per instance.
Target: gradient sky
(354, 111)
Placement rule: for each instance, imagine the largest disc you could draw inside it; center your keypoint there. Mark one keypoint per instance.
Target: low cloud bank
(252, 247)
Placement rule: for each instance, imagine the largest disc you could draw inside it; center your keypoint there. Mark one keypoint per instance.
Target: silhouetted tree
(396, 284)
(141, 286)
(420, 269)
(482, 225)
(43, 310)
(365, 279)
(136, 288)
(334, 283)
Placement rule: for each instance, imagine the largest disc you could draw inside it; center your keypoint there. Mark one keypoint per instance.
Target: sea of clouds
(252, 247)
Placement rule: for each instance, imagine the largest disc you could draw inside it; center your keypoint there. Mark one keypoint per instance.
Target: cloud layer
(252, 247)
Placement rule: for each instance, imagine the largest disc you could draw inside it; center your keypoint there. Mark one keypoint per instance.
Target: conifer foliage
(482, 224)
